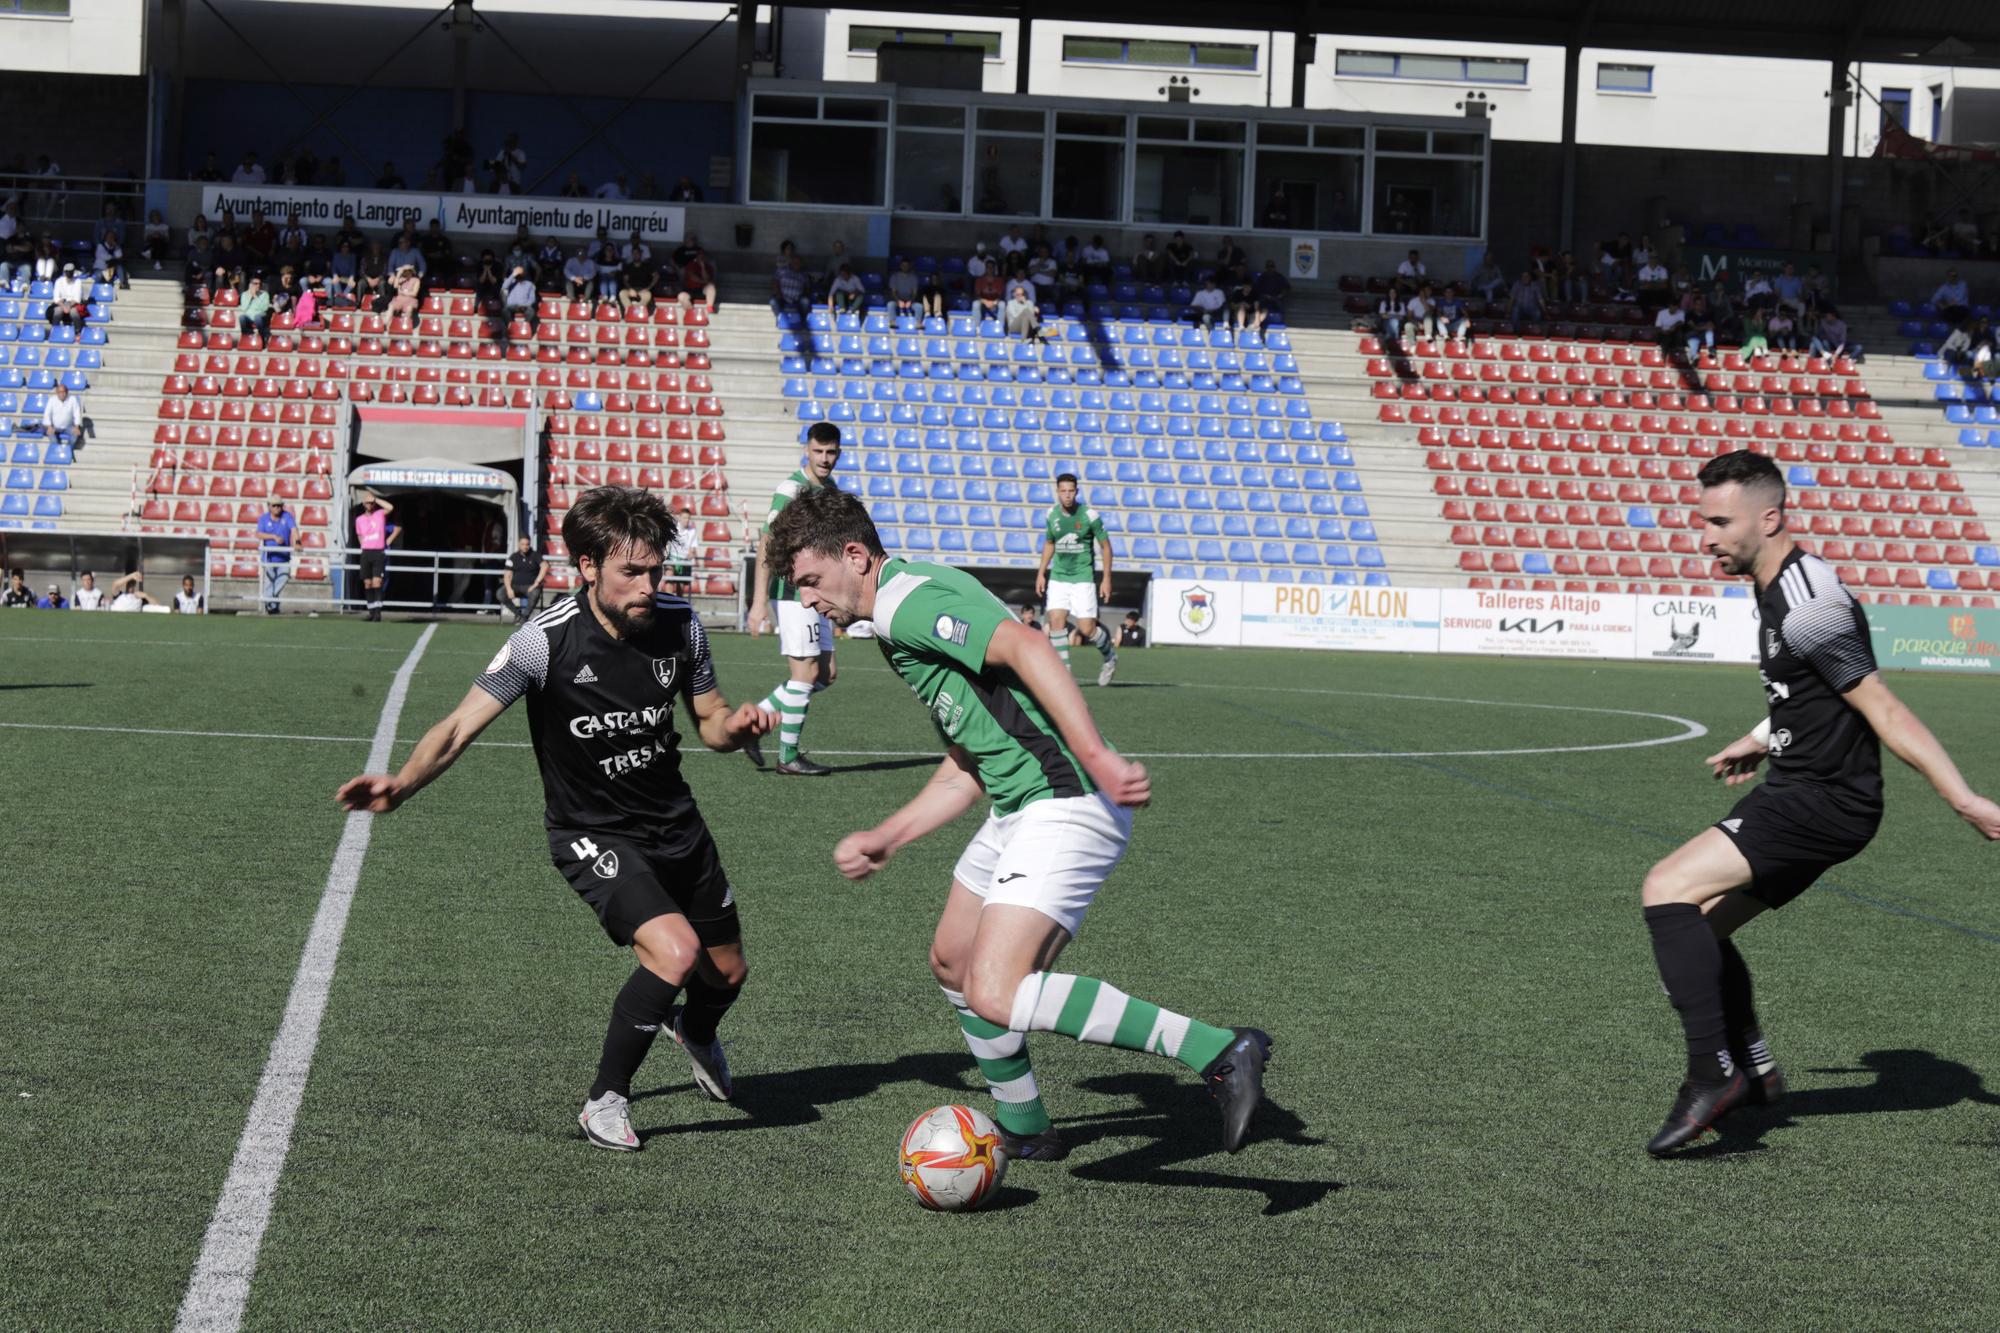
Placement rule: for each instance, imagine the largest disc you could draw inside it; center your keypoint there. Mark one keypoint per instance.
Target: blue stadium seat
(14, 505)
(1370, 557)
(20, 479)
(1353, 506)
(1377, 579)
(54, 479)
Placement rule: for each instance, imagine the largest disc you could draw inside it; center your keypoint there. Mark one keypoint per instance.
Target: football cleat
(1765, 1089)
(803, 767)
(753, 749)
(1697, 1106)
(607, 1123)
(1108, 670)
(1235, 1079)
(711, 1066)
(1046, 1146)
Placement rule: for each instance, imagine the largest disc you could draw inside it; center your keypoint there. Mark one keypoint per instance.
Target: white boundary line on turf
(220, 1286)
(1690, 730)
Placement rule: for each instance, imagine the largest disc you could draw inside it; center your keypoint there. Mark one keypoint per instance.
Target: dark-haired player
(1829, 714)
(1074, 573)
(1016, 730)
(804, 637)
(602, 672)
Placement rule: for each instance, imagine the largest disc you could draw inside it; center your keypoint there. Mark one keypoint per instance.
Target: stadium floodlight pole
(597, 130)
(360, 154)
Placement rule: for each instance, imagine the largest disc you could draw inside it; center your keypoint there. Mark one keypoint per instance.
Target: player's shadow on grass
(51, 685)
(888, 765)
(1905, 1080)
(794, 1097)
(1180, 1123)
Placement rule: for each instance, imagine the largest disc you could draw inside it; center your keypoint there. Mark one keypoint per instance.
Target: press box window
(1625, 78)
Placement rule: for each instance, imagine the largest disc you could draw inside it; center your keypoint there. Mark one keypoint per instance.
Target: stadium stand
(34, 359)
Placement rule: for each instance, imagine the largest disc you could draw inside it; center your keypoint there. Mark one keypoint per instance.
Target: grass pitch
(1471, 1043)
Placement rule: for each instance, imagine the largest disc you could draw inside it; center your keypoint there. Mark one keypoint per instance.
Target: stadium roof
(1934, 32)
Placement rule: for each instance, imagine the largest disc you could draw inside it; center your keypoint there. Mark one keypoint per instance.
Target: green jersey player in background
(804, 637)
(1016, 730)
(1065, 580)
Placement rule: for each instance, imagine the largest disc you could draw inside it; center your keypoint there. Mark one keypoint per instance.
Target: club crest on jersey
(606, 866)
(1197, 610)
(1770, 642)
(666, 670)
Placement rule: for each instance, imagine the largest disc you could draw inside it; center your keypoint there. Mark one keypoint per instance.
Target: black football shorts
(374, 565)
(629, 881)
(1792, 835)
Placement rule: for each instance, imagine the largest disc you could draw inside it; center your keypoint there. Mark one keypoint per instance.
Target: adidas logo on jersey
(1733, 825)
(585, 676)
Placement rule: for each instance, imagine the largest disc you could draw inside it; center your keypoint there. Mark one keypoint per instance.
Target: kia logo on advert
(1530, 625)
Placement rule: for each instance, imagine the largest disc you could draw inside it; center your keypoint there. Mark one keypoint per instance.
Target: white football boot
(607, 1123)
(711, 1066)
(1108, 670)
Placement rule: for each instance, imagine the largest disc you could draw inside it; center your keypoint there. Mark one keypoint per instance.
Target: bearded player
(1830, 714)
(1015, 729)
(1074, 574)
(602, 672)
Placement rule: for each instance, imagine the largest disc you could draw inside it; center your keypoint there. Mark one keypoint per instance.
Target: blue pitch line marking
(1596, 817)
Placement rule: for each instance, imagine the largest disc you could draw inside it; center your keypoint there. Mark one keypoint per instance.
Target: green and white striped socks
(1003, 1059)
(1093, 1011)
(1059, 640)
(789, 702)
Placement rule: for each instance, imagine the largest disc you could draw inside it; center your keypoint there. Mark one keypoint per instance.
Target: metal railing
(76, 206)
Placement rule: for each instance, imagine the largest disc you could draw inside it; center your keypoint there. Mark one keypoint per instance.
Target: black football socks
(1690, 963)
(643, 1004)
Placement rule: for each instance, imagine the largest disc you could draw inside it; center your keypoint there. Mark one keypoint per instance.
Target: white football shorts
(1051, 855)
(802, 632)
(1079, 599)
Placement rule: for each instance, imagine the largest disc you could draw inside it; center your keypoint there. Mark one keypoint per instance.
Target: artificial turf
(1471, 1042)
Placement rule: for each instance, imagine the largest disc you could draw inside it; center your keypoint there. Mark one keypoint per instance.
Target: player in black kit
(602, 672)
(1829, 715)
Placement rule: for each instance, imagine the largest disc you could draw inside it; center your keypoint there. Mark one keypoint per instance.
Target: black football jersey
(601, 711)
(1814, 647)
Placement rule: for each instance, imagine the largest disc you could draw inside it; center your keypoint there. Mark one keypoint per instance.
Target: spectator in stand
(1069, 283)
(1389, 315)
(903, 290)
(1277, 209)
(1684, 288)
(641, 275)
(1068, 254)
(846, 293)
(249, 171)
(1818, 292)
(580, 275)
(519, 299)
(17, 247)
(1655, 289)
(1524, 300)
(187, 601)
(390, 178)
(109, 261)
(1208, 303)
(1489, 281)
(1757, 293)
(19, 596)
(978, 262)
(305, 311)
(253, 313)
(549, 263)
(1782, 330)
(1043, 272)
(129, 593)
(791, 290)
(155, 239)
(407, 297)
(610, 270)
(1149, 265)
(224, 270)
(71, 303)
(292, 240)
(1699, 328)
(573, 187)
(510, 165)
(697, 275)
(1667, 326)
(1790, 289)
(486, 279)
(88, 596)
(836, 258)
(440, 256)
(1096, 261)
(1021, 313)
(62, 416)
(1412, 270)
(930, 293)
(350, 231)
(260, 240)
(1272, 287)
(685, 191)
(406, 253)
(1131, 634)
(52, 600)
(1728, 326)
(211, 170)
(285, 294)
(1420, 315)
(1228, 255)
(1180, 259)
(1452, 320)
(1830, 338)
(373, 288)
(317, 266)
(1952, 298)
(1241, 298)
(1013, 243)
(613, 189)
(521, 255)
(989, 293)
(275, 533)
(305, 168)
(1756, 339)
(1027, 616)
(1572, 284)
(49, 265)
(198, 232)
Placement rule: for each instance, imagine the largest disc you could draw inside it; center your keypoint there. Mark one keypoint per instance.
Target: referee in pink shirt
(371, 527)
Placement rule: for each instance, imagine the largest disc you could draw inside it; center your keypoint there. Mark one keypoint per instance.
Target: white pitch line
(220, 1286)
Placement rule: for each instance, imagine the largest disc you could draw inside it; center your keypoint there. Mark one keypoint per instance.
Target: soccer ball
(952, 1160)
